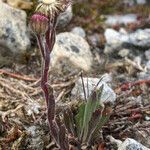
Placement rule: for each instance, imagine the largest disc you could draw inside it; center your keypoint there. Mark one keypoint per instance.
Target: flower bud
(39, 23)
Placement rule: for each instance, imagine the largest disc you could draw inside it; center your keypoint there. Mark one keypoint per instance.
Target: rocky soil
(99, 40)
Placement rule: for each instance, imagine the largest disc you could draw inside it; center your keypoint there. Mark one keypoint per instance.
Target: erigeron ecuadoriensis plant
(43, 24)
(79, 129)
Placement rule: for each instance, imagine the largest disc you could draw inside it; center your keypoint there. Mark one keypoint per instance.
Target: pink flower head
(39, 23)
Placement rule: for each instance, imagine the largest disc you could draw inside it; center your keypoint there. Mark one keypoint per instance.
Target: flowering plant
(43, 23)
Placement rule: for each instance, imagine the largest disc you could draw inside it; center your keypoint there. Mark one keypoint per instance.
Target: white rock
(115, 38)
(108, 94)
(13, 29)
(123, 31)
(147, 118)
(79, 31)
(138, 38)
(71, 50)
(131, 144)
(121, 19)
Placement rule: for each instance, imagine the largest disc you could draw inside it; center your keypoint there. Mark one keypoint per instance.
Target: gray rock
(140, 38)
(79, 31)
(65, 17)
(121, 19)
(108, 94)
(131, 144)
(71, 52)
(147, 54)
(13, 29)
(143, 75)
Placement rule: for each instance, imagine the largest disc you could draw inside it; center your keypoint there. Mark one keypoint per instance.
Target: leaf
(104, 118)
(96, 116)
(69, 122)
(79, 118)
(91, 105)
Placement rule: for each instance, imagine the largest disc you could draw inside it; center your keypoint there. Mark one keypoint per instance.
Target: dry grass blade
(4, 114)
(13, 75)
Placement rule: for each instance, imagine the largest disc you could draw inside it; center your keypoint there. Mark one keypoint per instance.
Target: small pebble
(124, 52)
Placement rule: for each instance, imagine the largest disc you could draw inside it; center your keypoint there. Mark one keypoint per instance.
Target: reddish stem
(47, 89)
(39, 40)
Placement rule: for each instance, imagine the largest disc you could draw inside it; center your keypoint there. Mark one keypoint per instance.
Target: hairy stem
(40, 44)
(47, 89)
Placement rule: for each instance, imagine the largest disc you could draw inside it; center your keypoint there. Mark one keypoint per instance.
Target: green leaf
(91, 105)
(79, 118)
(91, 117)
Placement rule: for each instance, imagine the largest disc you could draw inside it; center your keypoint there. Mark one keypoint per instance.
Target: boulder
(13, 30)
(71, 52)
